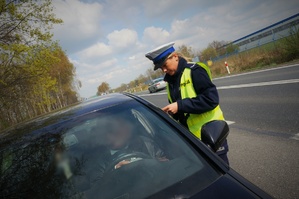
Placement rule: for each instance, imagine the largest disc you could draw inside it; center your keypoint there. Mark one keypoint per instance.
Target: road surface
(263, 110)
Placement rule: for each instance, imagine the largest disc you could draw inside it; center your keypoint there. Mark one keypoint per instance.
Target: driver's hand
(163, 159)
(122, 163)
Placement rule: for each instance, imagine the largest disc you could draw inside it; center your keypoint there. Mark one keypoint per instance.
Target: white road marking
(258, 71)
(295, 137)
(230, 122)
(290, 81)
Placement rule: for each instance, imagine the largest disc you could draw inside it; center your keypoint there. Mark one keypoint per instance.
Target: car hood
(228, 187)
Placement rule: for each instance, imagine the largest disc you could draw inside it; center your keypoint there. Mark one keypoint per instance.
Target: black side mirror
(214, 133)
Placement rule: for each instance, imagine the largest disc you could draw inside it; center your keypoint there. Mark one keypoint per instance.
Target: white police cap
(159, 54)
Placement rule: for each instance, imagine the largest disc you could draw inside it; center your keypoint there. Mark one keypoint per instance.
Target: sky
(107, 40)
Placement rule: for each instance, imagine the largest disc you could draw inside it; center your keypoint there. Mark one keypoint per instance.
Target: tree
(103, 88)
(121, 88)
(216, 49)
(142, 79)
(217, 44)
(186, 52)
(151, 74)
(289, 45)
(231, 48)
(66, 84)
(208, 53)
(35, 75)
(223, 47)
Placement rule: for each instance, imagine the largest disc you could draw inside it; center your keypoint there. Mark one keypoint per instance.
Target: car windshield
(124, 151)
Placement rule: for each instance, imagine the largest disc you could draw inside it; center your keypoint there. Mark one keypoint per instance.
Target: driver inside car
(122, 137)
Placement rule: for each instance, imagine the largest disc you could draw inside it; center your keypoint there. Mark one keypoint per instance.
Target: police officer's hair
(188, 59)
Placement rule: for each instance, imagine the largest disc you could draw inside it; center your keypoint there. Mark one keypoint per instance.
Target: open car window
(121, 151)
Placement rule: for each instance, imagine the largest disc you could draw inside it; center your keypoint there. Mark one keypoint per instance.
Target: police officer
(192, 96)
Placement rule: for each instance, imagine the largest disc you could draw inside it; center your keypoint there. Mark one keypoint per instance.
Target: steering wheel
(125, 155)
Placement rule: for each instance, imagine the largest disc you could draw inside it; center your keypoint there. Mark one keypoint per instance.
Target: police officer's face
(171, 65)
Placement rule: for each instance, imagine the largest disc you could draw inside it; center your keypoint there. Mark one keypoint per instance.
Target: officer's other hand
(171, 108)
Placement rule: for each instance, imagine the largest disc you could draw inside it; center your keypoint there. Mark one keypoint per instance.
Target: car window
(158, 80)
(121, 151)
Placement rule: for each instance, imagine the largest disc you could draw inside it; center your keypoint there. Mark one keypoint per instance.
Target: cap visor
(159, 65)
(161, 62)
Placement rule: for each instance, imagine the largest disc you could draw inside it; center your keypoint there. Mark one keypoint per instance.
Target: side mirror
(214, 133)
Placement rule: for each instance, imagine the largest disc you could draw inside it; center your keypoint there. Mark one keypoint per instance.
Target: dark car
(114, 146)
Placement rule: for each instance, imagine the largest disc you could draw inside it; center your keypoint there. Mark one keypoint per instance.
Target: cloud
(94, 51)
(118, 42)
(120, 12)
(91, 70)
(120, 39)
(81, 23)
(174, 9)
(154, 35)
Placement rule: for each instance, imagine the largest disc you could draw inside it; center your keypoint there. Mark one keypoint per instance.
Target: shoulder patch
(192, 65)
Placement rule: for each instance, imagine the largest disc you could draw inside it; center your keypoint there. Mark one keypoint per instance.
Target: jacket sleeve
(207, 95)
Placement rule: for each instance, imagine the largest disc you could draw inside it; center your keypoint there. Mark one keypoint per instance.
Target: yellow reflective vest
(195, 121)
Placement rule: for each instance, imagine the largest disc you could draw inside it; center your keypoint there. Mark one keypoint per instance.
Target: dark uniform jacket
(207, 96)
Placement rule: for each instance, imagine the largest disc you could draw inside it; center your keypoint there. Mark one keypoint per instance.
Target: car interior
(85, 145)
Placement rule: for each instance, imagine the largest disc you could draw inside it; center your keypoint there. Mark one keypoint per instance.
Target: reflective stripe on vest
(195, 121)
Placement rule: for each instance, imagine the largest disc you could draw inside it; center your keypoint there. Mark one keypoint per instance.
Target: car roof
(160, 78)
(65, 114)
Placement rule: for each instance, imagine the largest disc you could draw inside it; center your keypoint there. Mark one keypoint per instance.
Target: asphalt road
(263, 109)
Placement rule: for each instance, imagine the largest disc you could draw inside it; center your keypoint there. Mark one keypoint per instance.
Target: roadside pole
(226, 66)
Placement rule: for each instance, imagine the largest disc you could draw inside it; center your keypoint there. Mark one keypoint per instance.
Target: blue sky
(106, 40)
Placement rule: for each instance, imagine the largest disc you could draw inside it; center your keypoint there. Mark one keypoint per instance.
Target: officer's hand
(171, 108)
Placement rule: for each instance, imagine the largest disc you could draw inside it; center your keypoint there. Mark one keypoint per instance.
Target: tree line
(36, 76)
